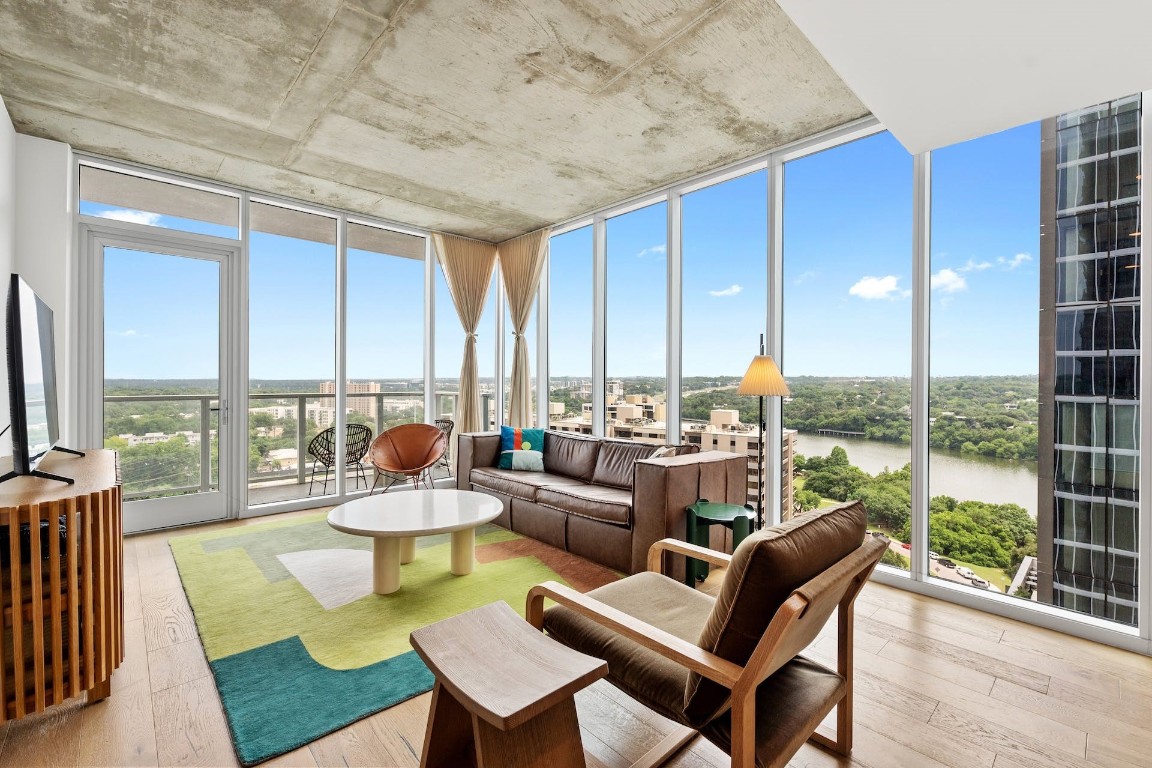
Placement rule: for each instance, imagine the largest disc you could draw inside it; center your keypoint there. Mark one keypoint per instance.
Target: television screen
(32, 377)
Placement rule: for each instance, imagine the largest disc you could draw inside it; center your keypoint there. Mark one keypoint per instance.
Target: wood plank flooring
(936, 685)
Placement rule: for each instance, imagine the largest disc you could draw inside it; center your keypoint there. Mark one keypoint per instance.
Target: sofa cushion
(616, 462)
(514, 483)
(642, 673)
(765, 569)
(597, 502)
(570, 455)
(521, 449)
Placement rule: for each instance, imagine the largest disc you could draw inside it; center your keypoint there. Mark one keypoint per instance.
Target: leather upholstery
(609, 525)
(616, 462)
(643, 674)
(598, 502)
(570, 455)
(407, 449)
(765, 569)
(784, 703)
(520, 485)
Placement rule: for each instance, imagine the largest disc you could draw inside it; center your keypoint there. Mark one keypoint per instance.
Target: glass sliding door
(291, 351)
(570, 331)
(724, 309)
(165, 377)
(847, 288)
(636, 325)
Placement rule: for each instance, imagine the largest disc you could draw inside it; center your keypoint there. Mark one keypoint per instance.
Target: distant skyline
(847, 278)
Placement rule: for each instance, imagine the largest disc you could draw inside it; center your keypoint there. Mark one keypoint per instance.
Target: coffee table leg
(463, 551)
(407, 549)
(385, 564)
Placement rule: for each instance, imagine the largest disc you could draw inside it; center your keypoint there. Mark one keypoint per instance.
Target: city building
(365, 406)
(1089, 434)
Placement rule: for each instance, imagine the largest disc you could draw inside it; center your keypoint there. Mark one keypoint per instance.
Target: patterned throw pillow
(522, 449)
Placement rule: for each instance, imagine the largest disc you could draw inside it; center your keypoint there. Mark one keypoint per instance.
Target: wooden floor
(937, 685)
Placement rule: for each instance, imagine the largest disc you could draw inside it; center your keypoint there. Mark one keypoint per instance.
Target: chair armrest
(710, 556)
(474, 449)
(669, 646)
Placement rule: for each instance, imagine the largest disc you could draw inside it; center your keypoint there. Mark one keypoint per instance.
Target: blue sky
(847, 282)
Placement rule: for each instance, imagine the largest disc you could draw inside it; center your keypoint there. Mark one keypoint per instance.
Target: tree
(837, 482)
(806, 500)
(896, 560)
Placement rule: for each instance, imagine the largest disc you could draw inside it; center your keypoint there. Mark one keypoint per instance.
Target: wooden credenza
(61, 583)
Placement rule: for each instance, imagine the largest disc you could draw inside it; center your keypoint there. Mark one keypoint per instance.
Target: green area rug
(298, 643)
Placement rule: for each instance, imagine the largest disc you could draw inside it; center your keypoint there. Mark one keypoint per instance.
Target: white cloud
(729, 291)
(948, 281)
(804, 277)
(132, 217)
(128, 332)
(1015, 261)
(872, 288)
(975, 266)
(656, 250)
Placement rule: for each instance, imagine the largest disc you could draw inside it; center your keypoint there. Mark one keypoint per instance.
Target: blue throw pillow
(522, 449)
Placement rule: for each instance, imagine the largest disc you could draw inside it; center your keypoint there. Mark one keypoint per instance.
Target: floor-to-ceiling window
(847, 356)
(384, 330)
(570, 324)
(291, 350)
(636, 323)
(983, 397)
(724, 306)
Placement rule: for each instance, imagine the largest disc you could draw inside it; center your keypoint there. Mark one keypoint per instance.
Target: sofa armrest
(663, 489)
(475, 449)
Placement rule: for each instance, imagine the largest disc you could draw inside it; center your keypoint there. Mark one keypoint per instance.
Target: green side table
(700, 516)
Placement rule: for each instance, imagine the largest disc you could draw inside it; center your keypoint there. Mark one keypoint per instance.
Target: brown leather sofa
(605, 500)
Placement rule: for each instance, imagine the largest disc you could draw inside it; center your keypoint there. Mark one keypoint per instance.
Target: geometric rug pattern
(298, 643)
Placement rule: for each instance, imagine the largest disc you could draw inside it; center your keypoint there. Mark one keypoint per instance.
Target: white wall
(43, 247)
(7, 245)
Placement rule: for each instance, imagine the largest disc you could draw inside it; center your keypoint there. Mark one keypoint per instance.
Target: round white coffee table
(394, 520)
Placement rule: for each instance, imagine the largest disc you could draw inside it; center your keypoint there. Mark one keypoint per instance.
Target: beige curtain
(467, 266)
(521, 261)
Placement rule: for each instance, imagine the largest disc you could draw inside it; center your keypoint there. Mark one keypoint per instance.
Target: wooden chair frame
(775, 649)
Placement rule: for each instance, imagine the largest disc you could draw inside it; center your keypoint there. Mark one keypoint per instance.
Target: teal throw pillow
(522, 449)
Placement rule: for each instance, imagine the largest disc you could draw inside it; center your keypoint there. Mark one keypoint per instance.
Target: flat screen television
(31, 381)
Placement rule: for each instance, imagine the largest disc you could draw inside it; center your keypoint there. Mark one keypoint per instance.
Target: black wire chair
(357, 438)
(446, 426)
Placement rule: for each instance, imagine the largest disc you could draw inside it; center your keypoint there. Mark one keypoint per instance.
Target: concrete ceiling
(485, 118)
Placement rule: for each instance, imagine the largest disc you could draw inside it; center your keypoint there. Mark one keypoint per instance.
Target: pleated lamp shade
(763, 378)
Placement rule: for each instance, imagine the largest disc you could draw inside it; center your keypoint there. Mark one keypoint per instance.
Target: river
(976, 478)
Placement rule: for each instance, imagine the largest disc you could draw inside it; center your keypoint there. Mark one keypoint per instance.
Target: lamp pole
(760, 459)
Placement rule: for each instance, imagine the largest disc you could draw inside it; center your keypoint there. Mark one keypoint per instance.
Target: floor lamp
(763, 379)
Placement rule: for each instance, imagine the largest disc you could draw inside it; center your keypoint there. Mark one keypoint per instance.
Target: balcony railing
(188, 465)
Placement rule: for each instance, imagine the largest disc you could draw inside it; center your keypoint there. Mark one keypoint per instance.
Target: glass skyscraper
(1088, 512)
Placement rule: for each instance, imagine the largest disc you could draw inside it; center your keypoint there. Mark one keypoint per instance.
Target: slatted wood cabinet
(61, 583)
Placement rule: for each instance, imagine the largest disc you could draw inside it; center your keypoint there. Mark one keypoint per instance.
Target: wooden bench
(503, 692)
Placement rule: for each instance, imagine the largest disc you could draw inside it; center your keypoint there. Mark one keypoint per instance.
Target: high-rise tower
(1089, 435)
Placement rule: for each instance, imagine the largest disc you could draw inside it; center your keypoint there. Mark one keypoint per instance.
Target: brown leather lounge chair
(728, 668)
(407, 450)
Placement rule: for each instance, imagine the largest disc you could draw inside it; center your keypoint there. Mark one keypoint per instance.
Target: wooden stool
(503, 693)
